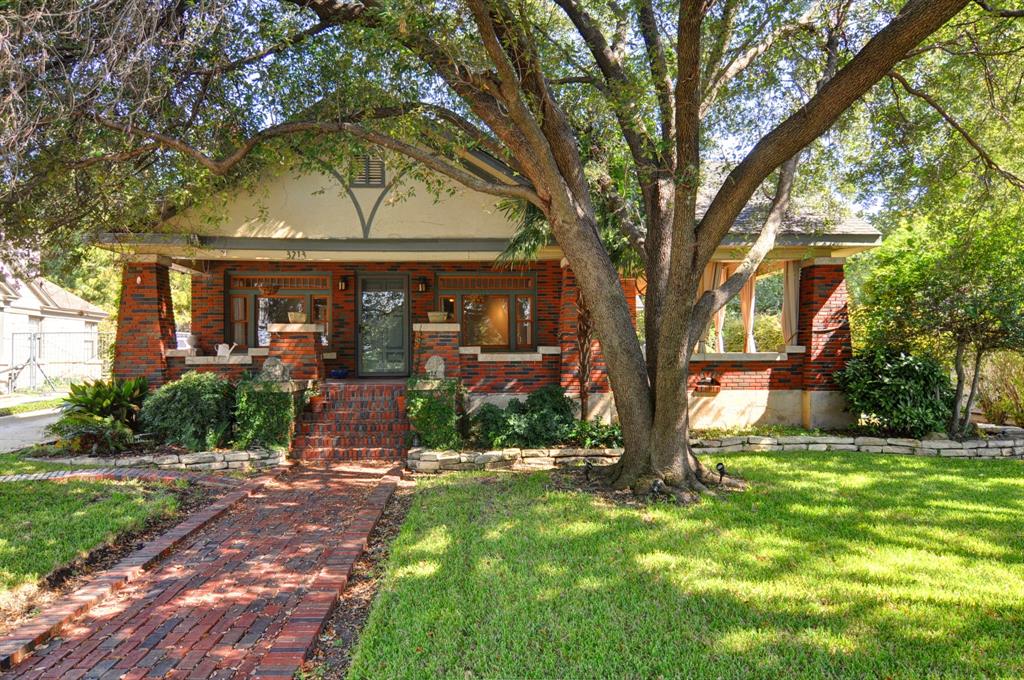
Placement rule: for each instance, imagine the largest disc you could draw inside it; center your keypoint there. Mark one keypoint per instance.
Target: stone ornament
(435, 367)
(275, 369)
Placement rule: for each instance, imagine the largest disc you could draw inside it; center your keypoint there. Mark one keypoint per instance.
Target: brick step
(357, 422)
(328, 415)
(352, 454)
(371, 393)
(320, 442)
(341, 441)
(363, 427)
(325, 427)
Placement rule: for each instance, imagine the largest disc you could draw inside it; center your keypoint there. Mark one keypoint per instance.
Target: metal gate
(54, 359)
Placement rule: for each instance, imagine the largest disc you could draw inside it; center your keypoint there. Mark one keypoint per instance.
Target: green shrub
(767, 333)
(84, 433)
(119, 399)
(593, 434)
(195, 411)
(898, 393)
(1001, 395)
(434, 411)
(263, 414)
(546, 418)
(489, 426)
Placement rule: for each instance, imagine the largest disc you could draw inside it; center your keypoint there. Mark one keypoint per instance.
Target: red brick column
(824, 328)
(298, 347)
(441, 339)
(568, 325)
(824, 331)
(145, 322)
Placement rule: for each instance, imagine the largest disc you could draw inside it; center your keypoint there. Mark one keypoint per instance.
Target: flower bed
(1008, 446)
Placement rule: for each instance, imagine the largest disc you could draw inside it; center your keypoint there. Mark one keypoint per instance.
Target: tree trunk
(958, 398)
(585, 343)
(965, 421)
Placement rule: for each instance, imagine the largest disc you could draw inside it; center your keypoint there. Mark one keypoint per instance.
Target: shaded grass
(831, 565)
(44, 525)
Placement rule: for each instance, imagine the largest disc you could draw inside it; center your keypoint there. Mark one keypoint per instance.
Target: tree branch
(620, 210)
(1007, 13)
(425, 157)
(985, 157)
(916, 21)
(287, 43)
(615, 76)
(659, 69)
(741, 61)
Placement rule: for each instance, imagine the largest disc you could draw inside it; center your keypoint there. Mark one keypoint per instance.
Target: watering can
(223, 350)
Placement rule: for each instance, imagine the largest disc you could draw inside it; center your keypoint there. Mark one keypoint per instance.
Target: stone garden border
(204, 460)
(1003, 446)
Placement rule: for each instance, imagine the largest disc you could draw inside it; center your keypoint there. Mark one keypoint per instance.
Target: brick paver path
(246, 597)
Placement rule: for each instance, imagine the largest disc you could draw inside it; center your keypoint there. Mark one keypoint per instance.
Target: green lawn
(14, 463)
(31, 406)
(831, 565)
(46, 524)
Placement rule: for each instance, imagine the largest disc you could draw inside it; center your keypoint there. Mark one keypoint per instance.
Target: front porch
(503, 334)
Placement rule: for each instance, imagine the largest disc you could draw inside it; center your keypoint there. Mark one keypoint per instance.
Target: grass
(14, 463)
(44, 525)
(756, 430)
(831, 565)
(31, 406)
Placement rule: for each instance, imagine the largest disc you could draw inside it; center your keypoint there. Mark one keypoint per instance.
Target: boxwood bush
(898, 393)
(195, 411)
(433, 408)
(545, 419)
(263, 414)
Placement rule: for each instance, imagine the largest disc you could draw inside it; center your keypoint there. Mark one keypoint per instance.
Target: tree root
(653, 487)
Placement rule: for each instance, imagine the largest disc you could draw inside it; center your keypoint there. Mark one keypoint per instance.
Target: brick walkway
(245, 598)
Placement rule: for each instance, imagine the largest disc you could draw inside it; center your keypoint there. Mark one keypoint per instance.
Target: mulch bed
(332, 655)
(68, 577)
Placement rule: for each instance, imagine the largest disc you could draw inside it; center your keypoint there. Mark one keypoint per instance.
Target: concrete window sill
(537, 355)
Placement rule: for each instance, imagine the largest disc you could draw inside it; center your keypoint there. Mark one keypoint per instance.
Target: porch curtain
(714, 274)
(790, 301)
(747, 300)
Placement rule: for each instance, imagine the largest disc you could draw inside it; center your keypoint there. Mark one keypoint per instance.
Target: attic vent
(372, 173)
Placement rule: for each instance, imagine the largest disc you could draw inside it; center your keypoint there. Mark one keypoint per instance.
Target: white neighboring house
(46, 332)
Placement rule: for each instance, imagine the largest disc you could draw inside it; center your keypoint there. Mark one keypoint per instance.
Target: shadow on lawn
(832, 564)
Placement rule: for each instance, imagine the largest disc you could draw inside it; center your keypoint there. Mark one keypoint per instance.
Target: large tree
(120, 110)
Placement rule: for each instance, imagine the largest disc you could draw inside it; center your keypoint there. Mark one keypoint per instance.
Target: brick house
(341, 279)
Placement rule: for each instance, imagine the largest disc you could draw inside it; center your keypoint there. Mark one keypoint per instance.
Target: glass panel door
(383, 326)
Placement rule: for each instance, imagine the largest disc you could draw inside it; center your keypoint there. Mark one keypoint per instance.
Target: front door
(383, 325)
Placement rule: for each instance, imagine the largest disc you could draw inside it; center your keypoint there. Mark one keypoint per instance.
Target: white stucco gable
(318, 205)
